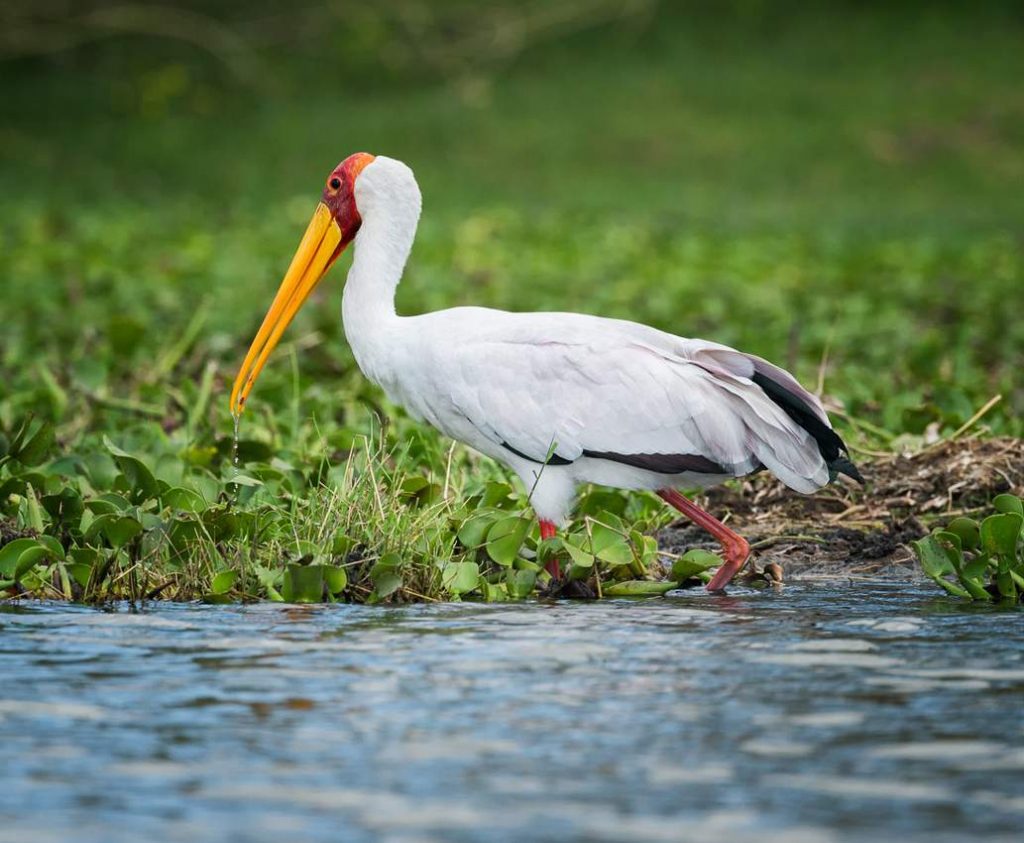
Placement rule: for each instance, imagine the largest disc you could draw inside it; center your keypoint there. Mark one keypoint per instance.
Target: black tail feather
(833, 449)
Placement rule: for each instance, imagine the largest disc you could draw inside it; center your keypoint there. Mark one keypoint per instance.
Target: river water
(821, 712)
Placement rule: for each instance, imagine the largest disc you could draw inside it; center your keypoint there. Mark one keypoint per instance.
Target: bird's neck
(381, 250)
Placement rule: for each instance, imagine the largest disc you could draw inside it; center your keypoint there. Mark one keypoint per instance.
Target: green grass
(841, 197)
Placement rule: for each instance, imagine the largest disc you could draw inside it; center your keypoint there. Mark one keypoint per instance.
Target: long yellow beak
(312, 259)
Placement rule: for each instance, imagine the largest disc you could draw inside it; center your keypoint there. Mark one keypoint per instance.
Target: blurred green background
(835, 186)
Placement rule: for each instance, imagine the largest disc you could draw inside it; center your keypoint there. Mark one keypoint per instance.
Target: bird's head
(333, 226)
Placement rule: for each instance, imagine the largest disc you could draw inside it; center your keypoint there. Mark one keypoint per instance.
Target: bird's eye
(335, 183)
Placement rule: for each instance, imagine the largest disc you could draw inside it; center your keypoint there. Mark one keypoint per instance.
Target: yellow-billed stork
(561, 398)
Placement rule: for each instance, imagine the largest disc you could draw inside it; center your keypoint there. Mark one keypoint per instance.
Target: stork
(562, 399)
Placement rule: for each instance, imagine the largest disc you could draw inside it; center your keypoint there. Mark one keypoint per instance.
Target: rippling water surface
(822, 712)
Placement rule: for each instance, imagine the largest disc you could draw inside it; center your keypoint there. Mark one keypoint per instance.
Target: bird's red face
(334, 225)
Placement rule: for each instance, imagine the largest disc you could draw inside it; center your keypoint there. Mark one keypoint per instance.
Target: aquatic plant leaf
(1008, 503)
(693, 562)
(638, 588)
(302, 583)
(934, 559)
(520, 583)
(460, 577)
(223, 582)
(976, 569)
(473, 531)
(968, 530)
(35, 450)
(386, 583)
(610, 546)
(1000, 534)
(9, 554)
(183, 500)
(141, 483)
(53, 545)
(336, 579)
(28, 558)
(493, 592)
(578, 555)
(121, 530)
(1006, 586)
(505, 537)
(65, 507)
(80, 572)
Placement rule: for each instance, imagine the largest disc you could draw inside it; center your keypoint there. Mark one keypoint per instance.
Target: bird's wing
(616, 393)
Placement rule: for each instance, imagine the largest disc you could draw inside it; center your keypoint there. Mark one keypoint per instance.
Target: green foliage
(985, 560)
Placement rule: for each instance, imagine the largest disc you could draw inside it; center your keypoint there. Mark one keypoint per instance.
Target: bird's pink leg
(547, 531)
(734, 546)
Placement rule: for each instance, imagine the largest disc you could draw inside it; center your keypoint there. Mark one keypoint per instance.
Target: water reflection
(814, 714)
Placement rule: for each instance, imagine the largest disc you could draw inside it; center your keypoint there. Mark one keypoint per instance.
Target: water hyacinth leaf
(976, 569)
(9, 554)
(385, 582)
(1006, 586)
(80, 572)
(519, 584)
(968, 530)
(302, 583)
(65, 507)
(100, 506)
(649, 552)
(935, 561)
(223, 582)
(1001, 533)
(493, 592)
(638, 588)
(53, 545)
(498, 494)
(28, 558)
(473, 531)
(1009, 504)
(222, 524)
(183, 500)
(336, 579)
(120, 530)
(35, 450)
(694, 562)
(578, 555)
(460, 577)
(610, 546)
(141, 483)
(505, 537)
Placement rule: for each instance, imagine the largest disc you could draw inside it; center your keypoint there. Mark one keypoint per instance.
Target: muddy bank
(865, 531)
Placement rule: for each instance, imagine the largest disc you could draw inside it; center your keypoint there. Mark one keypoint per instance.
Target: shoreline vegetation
(840, 200)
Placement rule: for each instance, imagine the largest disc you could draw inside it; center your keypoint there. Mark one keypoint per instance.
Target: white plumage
(519, 387)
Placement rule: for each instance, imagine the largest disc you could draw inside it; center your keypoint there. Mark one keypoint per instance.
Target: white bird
(563, 399)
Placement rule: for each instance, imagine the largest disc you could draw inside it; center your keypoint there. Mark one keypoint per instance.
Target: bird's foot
(567, 589)
(736, 553)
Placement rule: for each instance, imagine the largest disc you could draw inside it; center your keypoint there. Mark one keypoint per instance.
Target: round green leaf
(694, 562)
(968, 530)
(1008, 503)
(223, 582)
(505, 537)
